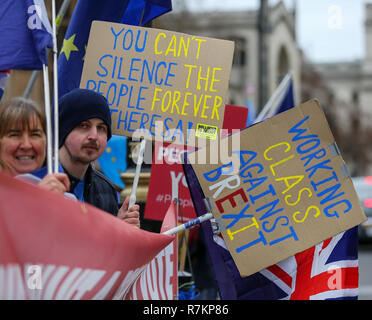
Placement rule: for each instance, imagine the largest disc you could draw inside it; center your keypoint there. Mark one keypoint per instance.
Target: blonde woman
(23, 142)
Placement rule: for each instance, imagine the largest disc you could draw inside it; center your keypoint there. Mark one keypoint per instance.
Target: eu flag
(113, 161)
(25, 34)
(70, 62)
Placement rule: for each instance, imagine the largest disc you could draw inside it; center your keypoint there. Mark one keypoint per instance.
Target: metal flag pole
(30, 83)
(217, 225)
(48, 118)
(132, 198)
(189, 224)
(55, 85)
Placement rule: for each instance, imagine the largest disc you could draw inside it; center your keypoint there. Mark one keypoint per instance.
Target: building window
(283, 65)
(355, 97)
(239, 58)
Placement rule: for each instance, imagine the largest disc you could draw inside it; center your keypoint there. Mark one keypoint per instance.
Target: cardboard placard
(285, 189)
(166, 85)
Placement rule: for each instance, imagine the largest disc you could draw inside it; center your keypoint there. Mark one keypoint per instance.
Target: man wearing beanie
(84, 129)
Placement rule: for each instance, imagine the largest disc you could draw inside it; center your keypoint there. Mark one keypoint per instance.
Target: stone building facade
(350, 84)
(241, 27)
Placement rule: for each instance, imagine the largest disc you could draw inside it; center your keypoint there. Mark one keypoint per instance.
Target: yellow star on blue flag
(134, 12)
(68, 46)
(113, 161)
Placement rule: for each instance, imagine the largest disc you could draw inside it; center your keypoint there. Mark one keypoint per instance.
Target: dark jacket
(98, 191)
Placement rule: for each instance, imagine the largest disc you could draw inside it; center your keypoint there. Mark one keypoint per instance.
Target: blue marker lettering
(292, 234)
(100, 64)
(265, 223)
(253, 243)
(116, 35)
(225, 169)
(138, 49)
(269, 212)
(335, 213)
(271, 190)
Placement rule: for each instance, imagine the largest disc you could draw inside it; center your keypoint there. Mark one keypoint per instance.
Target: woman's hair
(19, 111)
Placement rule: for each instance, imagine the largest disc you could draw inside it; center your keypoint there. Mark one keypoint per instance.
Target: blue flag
(25, 34)
(288, 99)
(113, 161)
(70, 61)
(281, 100)
(285, 100)
(141, 12)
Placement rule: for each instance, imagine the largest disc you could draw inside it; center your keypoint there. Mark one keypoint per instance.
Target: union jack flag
(328, 270)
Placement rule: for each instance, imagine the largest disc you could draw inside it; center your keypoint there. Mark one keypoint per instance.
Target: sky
(327, 30)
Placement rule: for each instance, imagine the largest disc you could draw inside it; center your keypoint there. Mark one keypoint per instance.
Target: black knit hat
(80, 105)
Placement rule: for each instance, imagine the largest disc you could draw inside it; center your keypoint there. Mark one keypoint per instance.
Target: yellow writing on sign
(206, 131)
(289, 181)
(171, 45)
(183, 103)
(207, 76)
(254, 224)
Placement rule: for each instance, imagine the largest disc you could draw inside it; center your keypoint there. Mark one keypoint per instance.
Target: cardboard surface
(284, 189)
(171, 86)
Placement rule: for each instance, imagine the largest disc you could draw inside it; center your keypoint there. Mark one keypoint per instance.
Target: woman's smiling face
(22, 149)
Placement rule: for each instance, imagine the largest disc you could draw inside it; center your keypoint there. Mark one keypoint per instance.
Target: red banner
(159, 280)
(166, 170)
(56, 248)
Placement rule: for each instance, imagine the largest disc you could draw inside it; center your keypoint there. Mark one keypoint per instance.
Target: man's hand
(57, 182)
(130, 215)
